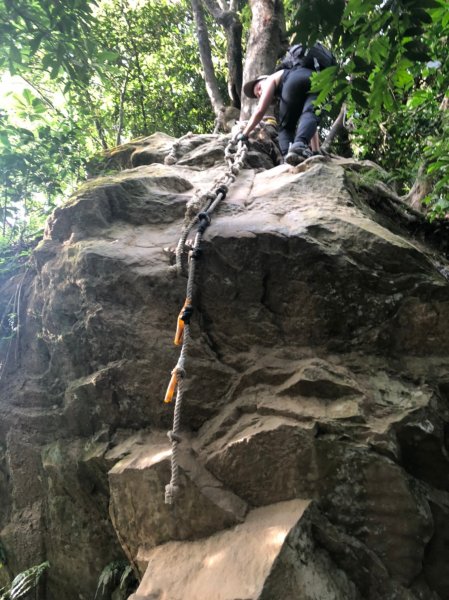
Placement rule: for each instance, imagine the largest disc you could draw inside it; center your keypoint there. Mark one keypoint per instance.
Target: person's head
(257, 89)
(253, 88)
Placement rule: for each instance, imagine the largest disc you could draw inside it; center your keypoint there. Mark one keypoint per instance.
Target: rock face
(314, 457)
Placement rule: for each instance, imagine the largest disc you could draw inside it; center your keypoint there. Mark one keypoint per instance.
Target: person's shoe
(293, 159)
(301, 149)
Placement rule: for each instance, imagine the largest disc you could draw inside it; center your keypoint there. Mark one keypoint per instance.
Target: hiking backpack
(316, 58)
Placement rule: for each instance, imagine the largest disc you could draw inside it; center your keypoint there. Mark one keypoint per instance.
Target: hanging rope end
(171, 491)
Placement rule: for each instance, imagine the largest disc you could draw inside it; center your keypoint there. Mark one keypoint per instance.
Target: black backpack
(316, 58)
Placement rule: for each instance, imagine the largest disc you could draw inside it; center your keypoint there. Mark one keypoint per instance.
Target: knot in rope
(172, 156)
(173, 437)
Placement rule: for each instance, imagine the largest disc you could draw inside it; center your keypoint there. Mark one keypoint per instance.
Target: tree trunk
(212, 88)
(266, 43)
(121, 110)
(100, 132)
(420, 189)
(235, 61)
(134, 53)
(228, 18)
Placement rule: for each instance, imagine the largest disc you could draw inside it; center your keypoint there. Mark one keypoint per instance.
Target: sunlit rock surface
(314, 462)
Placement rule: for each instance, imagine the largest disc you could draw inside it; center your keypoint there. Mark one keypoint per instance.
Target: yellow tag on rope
(180, 324)
(171, 388)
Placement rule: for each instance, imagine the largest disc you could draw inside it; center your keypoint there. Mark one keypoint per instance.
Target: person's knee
(309, 111)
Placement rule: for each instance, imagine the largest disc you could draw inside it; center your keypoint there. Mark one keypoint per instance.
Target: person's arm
(265, 100)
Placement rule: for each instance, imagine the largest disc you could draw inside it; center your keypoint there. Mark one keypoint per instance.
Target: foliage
(158, 72)
(436, 153)
(94, 79)
(38, 165)
(393, 72)
(48, 35)
(118, 578)
(24, 583)
(13, 257)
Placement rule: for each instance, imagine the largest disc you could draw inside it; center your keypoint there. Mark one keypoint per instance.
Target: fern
(24, 582)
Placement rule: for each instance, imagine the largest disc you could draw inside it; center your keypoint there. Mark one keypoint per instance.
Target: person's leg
(285, 138)
(315, 143)
(307, 125)
(293, 95)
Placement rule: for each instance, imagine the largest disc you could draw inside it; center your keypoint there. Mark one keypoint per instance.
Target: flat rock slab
(231, 565)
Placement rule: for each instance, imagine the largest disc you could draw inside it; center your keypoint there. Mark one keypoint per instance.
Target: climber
(297, 120)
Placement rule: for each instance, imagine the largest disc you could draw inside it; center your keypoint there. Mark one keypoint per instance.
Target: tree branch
(121, 111)
(337, 126)
(232, 25)
(44, 98)
(210, 79)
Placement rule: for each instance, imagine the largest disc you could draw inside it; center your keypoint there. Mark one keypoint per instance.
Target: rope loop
(173, 437)
(180, 372)
(187, 314)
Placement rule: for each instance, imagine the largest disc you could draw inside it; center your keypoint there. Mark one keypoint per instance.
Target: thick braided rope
(172, 156)
(202, 219)
(207, 202)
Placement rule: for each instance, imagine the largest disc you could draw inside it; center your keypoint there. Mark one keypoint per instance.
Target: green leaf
(15, 56)
(48, 62)
(402, 77)
(361, 65)
(439, 164)
(417, 50)
(359, 98)
(36, 42)
(322, 83)
(55, 70)
(413, 31)
(421, 16)
(27, 134)
(4, 140)
(418, 98)
(378, 50)
(425, 3)
(445, 19)
(28, 96)
(361, 84)
(108, 56)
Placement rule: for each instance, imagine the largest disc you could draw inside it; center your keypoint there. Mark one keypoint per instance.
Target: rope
(207, 202)
(205, 205)
(172, 156)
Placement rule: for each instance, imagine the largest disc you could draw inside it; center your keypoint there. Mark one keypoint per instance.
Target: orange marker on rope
(181, 322)
(171, 387)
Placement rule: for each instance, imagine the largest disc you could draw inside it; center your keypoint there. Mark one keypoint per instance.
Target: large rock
(145, 150)
(316, 375)
(272, 555)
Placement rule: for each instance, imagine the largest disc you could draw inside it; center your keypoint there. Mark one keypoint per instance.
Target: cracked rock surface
(314, 457)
